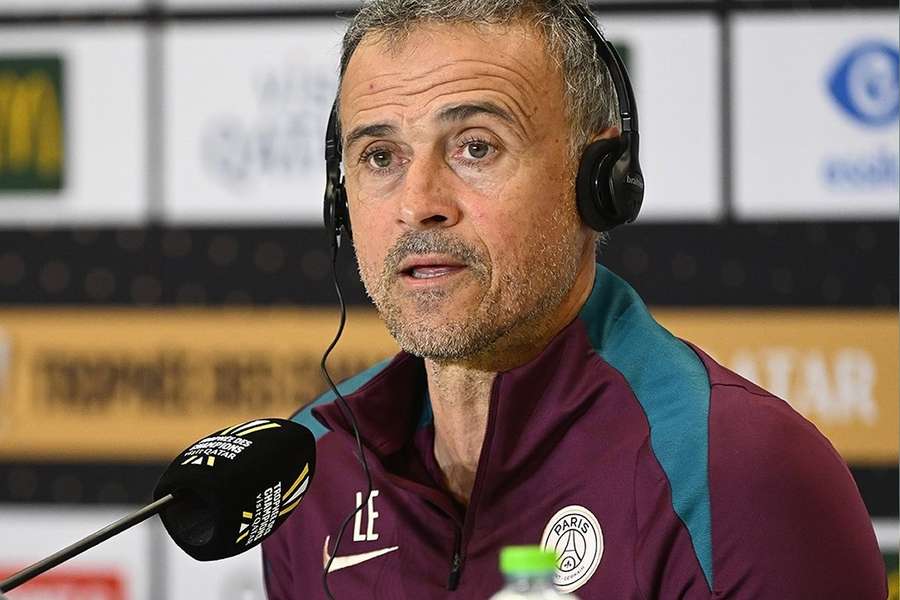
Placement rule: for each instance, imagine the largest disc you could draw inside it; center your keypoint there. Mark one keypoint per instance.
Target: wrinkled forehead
(429, 59)
(392, 36)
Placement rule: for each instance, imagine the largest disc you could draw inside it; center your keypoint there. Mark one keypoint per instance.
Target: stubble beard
(513, 310)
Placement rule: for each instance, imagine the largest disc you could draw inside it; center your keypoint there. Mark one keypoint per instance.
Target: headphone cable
(345, 407)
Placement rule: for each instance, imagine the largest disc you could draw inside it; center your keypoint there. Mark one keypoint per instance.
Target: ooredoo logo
(575, 535)
(865, 83)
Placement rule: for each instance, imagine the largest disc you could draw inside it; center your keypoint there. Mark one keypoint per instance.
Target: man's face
(460, 185)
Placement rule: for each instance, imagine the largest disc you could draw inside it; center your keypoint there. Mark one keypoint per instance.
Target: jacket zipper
(455, 561)
(461, 535)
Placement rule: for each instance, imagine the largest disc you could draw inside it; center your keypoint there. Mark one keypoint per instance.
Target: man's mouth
(420, 268)
(429, 272)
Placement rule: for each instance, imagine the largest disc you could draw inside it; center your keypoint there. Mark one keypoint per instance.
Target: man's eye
(478, 149)
(378, 159)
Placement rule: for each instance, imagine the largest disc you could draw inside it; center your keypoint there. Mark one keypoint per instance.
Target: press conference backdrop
(163, 272)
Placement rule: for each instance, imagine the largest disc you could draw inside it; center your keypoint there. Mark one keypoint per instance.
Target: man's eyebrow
(455, 113)
(460, 112)
(377, 130)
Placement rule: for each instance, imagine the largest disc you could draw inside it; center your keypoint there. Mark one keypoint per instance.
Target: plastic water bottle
(528, 571)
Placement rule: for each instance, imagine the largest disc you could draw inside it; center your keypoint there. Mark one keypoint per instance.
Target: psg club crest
(575, 535)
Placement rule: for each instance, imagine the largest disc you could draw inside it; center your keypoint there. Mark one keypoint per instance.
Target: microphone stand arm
(87, 543)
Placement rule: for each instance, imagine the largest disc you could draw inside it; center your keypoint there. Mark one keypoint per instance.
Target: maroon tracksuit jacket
(652, 470)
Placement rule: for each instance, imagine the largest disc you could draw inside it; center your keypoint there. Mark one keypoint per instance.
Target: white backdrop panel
(674, 70)
(246, 109)
(800, 152)
(115, 570)
(104, 87)
(69, 6)
(261, 4)
(237, 578)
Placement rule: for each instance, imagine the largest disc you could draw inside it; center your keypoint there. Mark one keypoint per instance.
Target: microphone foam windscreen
(234, 487)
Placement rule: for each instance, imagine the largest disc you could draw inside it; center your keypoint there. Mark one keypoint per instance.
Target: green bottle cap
(527, 560)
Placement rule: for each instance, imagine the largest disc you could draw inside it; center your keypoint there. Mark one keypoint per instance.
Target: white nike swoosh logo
(342, 562)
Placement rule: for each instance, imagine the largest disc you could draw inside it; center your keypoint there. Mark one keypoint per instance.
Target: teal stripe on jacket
(672, 386)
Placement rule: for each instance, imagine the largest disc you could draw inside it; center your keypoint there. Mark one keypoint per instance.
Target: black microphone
(233, 488)
(223, 495)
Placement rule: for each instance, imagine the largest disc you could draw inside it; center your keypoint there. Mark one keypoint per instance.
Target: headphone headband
(617, 72)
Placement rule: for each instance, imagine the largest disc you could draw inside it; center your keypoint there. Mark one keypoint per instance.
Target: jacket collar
(393, 405)
(388, 409)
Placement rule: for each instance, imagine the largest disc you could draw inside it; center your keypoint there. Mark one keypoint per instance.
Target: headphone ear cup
(593, 189)
(610, 186)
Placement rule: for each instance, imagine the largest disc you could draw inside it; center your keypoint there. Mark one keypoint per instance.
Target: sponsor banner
(72, 123)
(246, 112)
(679, 112)
(115, 570)
(32, 128)
(238, 578)
(129, 383)
(836, 367)
(818, 136)
(68, 583)
(145, 384)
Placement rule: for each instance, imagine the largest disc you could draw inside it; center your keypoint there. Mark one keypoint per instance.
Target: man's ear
(605, 134)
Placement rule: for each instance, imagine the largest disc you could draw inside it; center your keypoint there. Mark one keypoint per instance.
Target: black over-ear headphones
(609, 186)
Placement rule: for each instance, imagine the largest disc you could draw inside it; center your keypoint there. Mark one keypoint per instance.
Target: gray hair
(590, 97)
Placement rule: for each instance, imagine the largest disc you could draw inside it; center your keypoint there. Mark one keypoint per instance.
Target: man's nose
(427, 199)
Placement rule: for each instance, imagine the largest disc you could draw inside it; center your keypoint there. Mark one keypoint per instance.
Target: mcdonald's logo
(32, 124)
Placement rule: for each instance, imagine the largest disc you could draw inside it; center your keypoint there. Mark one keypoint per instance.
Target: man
(536, 400)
